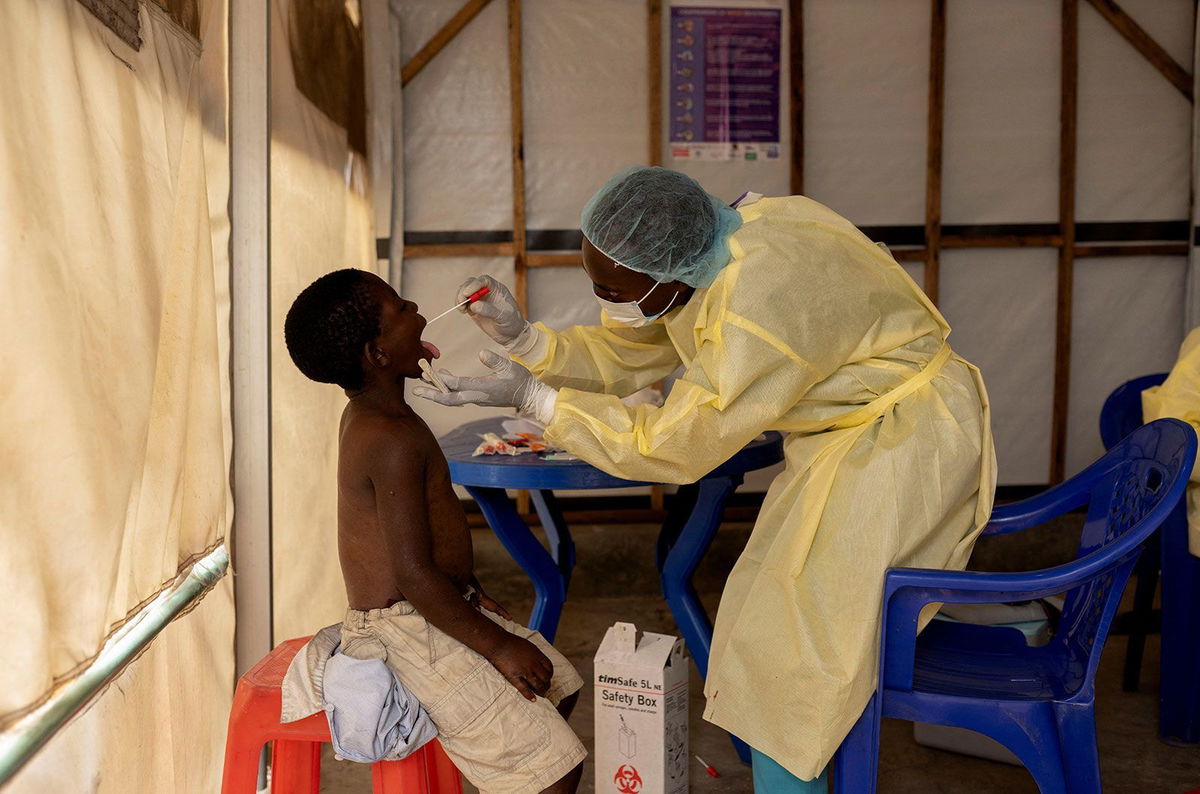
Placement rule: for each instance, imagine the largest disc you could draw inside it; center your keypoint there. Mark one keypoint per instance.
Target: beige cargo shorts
(500, 741)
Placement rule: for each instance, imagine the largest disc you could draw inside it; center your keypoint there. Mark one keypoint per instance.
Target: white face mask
(630, 313)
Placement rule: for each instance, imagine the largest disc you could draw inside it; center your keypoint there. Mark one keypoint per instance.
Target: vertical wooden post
(654, 70)
(1066, 253)
(516, 94)
(933, 148)
(796, 78)
(517, 101)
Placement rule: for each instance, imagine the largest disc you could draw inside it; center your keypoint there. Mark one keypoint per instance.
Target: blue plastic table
(686, 535)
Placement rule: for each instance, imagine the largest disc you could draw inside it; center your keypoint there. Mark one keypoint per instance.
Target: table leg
(682, 504)
(548, 584)
(682, 557)
(562, 545)
(1179, 687)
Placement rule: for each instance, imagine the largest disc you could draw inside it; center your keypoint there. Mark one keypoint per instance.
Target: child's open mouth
(431, 350)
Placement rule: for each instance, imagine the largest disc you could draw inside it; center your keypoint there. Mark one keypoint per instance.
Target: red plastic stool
(296, 758)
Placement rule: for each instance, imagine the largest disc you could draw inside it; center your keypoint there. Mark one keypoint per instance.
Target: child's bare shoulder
(375, 438)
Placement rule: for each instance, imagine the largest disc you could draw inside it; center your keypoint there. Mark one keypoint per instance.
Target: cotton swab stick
(474, 296)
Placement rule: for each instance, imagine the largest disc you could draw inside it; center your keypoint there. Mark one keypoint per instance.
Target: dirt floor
(615, 580)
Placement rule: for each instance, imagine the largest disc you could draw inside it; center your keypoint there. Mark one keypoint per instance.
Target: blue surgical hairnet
(661, 223)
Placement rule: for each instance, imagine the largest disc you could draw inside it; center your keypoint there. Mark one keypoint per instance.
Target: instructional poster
(724, 79)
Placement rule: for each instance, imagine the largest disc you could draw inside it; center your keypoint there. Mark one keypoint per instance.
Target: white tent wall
(321, 220)
(113, 195)
(866, 87)
(866, 68)
(114, 230)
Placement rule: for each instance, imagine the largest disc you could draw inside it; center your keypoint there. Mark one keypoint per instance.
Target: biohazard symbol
(627, 780)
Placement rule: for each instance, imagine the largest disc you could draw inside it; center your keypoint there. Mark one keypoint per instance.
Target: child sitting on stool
(498, 692)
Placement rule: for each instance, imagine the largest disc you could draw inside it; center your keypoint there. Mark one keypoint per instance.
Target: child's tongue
(431, 348)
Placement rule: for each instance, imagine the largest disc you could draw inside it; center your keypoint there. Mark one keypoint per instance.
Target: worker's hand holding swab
(497, 313)
(510, 386)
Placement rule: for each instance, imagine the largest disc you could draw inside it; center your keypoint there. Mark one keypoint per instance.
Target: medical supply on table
(474, 296)
(515, 444)
(709, 768)
(431, 377)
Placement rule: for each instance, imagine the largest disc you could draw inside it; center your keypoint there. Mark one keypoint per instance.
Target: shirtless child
(490, 685)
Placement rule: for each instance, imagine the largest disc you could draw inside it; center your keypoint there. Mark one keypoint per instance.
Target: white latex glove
(510, 385)
(497, 313)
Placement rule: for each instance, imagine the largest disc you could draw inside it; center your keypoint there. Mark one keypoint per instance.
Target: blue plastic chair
(1120, 416)
(1179, 685)
(1036, 701)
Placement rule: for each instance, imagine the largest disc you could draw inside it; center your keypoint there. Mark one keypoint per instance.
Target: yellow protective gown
(1179, 398)
(814, 331)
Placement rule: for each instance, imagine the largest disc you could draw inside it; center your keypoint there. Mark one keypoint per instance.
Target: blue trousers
(771, 778)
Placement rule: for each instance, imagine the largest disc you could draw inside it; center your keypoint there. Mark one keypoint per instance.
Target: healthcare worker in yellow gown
(784, 317)
(1178, 397)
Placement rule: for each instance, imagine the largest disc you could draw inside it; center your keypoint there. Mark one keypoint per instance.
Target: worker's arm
(398, 477)
(735, 388)
(609, 358)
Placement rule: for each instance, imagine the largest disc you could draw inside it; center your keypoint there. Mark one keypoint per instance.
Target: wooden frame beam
(516, 94)
(459, 249)
(440, 39)
(1068, 111)
(1156, 249)
(1150, 49)
(1002, 241)
(517, 102)
(933, 148)
(796, 92)
(654, 70)
(554, 260)
(654, 155)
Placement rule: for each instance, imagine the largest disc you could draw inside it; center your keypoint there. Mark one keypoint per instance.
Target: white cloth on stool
(372, 715)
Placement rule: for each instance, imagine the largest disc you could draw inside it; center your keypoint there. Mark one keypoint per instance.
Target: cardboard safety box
(641, 713)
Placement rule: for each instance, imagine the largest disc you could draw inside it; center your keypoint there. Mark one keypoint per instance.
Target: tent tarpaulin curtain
(321, 220)
(113, 231)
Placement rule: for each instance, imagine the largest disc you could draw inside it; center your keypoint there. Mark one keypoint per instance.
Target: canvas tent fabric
(321, 220)
(114, 230)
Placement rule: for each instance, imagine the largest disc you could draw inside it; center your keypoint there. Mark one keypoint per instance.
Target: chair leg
(244, 742)
(1077, 736)
(446, 777)
(1179, 689)
(1140, 618)
(410, 776)
(241, 764)
(295, 767)
(1034, 735)
(1030, 730)
(856, 765)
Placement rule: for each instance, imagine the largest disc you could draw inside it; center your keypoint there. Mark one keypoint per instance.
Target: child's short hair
(328, 324)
